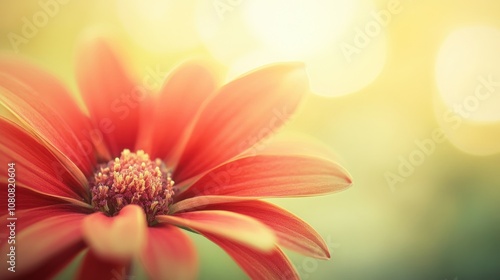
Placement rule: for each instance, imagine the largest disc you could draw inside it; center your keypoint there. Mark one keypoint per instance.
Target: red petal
(47, 267)
(173, 111)
(257, 264)
(200, 202)
(32, 216)
(33, 199)
(169, 254)
(116, 238)
(243, 113)
(95, 268)
(111, 96)
(271, 176)
(53, 91)
(52, 267)
(26, 107)
(290, 230)
(59, 233)
(36, 167)
(226, 225)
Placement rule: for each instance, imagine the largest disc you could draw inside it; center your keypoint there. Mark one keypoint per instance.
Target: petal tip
(116, 238)
(327, 255)
(346, 177)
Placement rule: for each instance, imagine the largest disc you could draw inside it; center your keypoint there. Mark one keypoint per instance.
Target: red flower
(116, 184)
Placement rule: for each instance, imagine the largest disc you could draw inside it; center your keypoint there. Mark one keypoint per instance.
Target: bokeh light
(468, 81)
(159, 25)
(386, 75)
(298, 28)
(468, 73)
(342, 43)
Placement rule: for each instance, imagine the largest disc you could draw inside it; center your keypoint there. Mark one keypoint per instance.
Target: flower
(118, 179)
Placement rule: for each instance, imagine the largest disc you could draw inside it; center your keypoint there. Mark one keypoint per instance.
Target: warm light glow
(223, 30)
(341, 42)
(333, 75)
(298, 27)
(159, 25)
(254, 60)
(468, 81)
(392, 99)
(468, 73)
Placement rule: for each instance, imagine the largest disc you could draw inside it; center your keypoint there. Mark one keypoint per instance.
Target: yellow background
(441, 221)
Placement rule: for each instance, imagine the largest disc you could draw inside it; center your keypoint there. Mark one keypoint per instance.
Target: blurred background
(407, 93)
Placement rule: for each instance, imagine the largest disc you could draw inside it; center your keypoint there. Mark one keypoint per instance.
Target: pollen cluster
(132, 179)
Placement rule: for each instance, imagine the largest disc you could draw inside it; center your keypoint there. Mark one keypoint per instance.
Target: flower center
(132, 179)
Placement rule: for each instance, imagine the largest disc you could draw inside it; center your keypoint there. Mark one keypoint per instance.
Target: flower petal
(116, 238)
(172, 112)
(291, 231)
(59, 234)
(200, 202)
(243, 113)
(32, 216)
(33, 199)
(54, 92)
(52, 267)
(26, 107)
(232, 226)
(111, 96)
(95, 268)
(169, 254)
(36, 166)
(257, 264)
(47, 263)
(271, 176)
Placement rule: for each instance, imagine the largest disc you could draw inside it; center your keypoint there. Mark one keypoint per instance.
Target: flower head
(98, 180)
